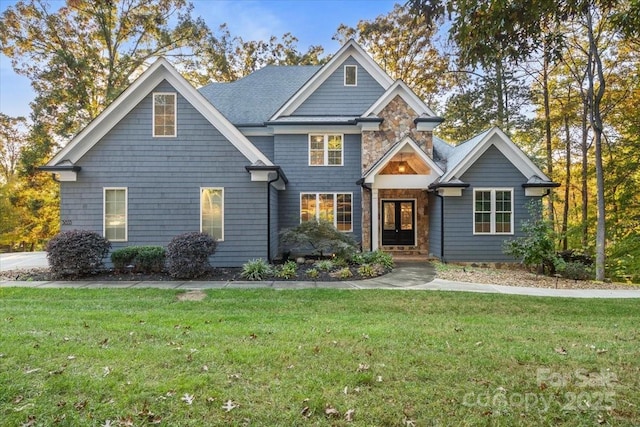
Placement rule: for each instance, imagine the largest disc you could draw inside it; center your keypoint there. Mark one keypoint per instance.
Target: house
(245, 160)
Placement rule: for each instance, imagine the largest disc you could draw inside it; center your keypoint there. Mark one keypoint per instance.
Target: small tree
(319, 237)
(188, 255)
(537, 247)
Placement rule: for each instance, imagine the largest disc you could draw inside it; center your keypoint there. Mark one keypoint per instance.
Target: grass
(263, 357)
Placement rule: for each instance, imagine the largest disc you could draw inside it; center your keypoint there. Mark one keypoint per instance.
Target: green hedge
(142, 259)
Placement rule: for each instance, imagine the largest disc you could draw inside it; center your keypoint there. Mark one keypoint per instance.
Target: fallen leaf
(80, 405)
(205, 368)
(18, 399)
(107, 423)
(362, 367)
(187, 398)
(31, 371)
(479, 343)
(31, 420)
(561, 350)
(306, 412)
(601, 351)
(229, 405)
(365, 336)
(348, 416)
(379, 379)
(106, 371)
(330, 411)
(71, 358)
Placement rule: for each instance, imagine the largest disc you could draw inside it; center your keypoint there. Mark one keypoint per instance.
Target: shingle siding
(491, 170)
(164, 177)
(292, 153)
(333, 98)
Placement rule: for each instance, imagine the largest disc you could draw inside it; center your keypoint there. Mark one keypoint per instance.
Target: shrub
(319, 238)
(150, 259)
(122, 258)
(324, 265)
(145, 259)
(340, 262)
(313, 273)
(76, 253)
(256, 269)
(367, 270)
(537, 247)
(378, 257)
(343, 273)
(188, 255)
(577, 271)
(288, 270)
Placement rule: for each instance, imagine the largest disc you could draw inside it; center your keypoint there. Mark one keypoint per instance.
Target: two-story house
(244, 160)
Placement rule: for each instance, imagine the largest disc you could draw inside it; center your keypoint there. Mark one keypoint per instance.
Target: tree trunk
(595, 98)
(567, 185)
(547, 125)
(584, 188)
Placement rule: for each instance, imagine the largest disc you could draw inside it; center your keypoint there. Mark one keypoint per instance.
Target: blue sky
(313, 22)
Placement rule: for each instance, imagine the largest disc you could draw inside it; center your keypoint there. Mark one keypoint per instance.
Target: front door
(398, 223)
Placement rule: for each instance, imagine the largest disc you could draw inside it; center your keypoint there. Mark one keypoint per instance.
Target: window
(115, 214)
(351, 75)
(325, 150)
(493, 211)
(164, 114)
(212, 212)
(333, 207)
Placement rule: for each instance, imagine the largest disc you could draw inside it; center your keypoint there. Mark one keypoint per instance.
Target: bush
(144, 259)
(150, 259)
(382, 258)
(76, 253)
(367, 270)
(122, 258)
(318, 237)
(188, 255)
(324, 265)
(312, 273)
(537, 247)
(256, 269)
(343, 273)
(288, 270)
(577, 271)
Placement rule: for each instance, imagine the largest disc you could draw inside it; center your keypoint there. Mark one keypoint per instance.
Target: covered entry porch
(395, 201)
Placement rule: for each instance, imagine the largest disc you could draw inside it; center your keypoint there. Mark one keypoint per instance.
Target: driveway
(20, 260)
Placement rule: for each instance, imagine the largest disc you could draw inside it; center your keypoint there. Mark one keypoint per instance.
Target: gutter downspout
(441, 226)
(362, 184)
(269, 214)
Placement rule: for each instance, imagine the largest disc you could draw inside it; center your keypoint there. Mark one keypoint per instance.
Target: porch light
(401, 168)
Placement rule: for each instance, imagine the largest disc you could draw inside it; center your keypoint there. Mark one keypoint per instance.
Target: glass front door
(398, 223)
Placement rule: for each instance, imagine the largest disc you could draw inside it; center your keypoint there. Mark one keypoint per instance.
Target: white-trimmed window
(115, 214)
(325, 150)
(164, 114)
(212, 212)
(351, 75)
(493, 211)
(336, 208)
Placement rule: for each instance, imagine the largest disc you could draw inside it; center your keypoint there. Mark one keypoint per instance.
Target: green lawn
(315, 357)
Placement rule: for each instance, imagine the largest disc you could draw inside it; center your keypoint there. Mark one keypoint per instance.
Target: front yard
(320, 357)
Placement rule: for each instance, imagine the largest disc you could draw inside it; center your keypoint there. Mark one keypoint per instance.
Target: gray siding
(274, 231)
(264, 144)
(493, 169)
(163, 177)
(333, 98)
(292, 153)
(435, 215)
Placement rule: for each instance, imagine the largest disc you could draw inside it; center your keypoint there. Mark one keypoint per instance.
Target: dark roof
(253, 99)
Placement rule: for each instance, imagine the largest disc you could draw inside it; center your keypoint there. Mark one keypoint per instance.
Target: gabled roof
(463, 156)
(272, 85)
(395, 149)
(351, 48)
(160, 70)
(399, 88)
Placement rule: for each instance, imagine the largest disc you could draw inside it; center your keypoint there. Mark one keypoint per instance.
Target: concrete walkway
(408, 275)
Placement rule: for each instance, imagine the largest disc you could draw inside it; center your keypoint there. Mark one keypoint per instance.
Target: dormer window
(351, 75)
(164, 114)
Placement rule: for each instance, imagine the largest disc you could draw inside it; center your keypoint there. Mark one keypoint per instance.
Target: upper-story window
(325, 150)
(164, 114)
(351, 75)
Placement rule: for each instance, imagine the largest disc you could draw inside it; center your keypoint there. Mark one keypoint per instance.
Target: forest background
(561, 78)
